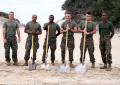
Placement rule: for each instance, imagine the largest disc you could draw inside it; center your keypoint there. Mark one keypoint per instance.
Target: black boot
(53, 63)
(26, 63)
(33, 62)
(63, 62)
(15, 63)
(8, 63)
(71, 65)
(93, 65)
(104, 67)
(109, 67)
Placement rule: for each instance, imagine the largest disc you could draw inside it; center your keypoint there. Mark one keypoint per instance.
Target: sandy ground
(19, 75)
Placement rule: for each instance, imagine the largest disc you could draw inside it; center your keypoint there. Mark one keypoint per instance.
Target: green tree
(96, 6)
(3, 14)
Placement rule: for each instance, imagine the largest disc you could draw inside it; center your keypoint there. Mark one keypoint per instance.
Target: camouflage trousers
(11, 43)
(52, 45)
(89, 44)
(70, 46)
(28, 47)
(105, 48)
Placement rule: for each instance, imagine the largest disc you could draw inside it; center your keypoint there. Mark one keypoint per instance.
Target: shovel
(45, 65)
(33, 65)
(65, 68)
(82, 68)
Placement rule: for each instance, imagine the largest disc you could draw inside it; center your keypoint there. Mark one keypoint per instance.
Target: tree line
(96, 7)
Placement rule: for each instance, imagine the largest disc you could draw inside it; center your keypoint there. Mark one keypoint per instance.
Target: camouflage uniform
(89, 42)
(106, 32)
(53, 27)
(70, 41)
(11, 28)
(32, 27)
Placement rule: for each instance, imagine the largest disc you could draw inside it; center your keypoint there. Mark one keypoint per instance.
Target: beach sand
(20, 75)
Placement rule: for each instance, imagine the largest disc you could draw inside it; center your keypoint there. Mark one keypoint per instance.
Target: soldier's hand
(30, 32)
(85, 32)
(5, 41)
(75, 29)
(36, 33)
(67, 30)
(33, 33)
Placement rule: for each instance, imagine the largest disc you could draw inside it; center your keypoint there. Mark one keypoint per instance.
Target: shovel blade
(64, 68)
(32, 66)
(45, 66)
(81, 68)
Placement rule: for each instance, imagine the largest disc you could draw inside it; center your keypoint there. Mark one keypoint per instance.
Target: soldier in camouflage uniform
(53, 28)
(9, 35)
(72, 27)
(106, 32)
(89, 42)
(32, 28)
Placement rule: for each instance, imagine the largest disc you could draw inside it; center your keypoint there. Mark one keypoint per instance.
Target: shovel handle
(66, 42)
(47, 44)
(32, 45)
(84, 40)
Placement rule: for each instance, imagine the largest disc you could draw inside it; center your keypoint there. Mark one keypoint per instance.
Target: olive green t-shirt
(105, 28)
(11, 27)
(33, 26)
(53, 28)
(90, 27)
(71, 25)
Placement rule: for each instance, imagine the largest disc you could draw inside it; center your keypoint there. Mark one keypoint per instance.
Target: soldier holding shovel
(33, 29)
(88, 34)
(52, 31)
(70, 27)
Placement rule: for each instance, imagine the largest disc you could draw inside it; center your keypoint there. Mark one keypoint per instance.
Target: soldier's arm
(26, 30)
(99, 29)
(80, 30)
(94, 30)
(58, 30)
(18, 33)
(75, 28)
(4, 33)
(62, 29)
(45, 27)
(112, 31)
(39, 30)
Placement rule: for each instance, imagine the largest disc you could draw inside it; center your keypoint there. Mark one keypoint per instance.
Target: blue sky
(25, 8)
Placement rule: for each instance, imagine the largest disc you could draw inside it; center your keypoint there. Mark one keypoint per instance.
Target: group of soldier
(33, 28)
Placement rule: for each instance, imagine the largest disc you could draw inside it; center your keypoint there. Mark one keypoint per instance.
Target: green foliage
(96, 6)
(110, 6)
(3, 14)
(76, 6)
